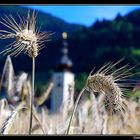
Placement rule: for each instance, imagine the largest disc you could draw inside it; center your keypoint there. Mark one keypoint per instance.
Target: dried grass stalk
(28, 40)
(45, 95)
(6, 126)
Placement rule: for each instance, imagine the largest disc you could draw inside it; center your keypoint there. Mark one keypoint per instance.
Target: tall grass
(106, 112)
(104, 81)
(28, 40)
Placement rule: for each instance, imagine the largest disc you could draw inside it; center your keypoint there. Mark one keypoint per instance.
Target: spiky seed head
(28, 38)
(105, 81)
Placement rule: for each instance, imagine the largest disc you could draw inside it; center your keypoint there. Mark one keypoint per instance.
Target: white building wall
(60, 92)
(68, 81)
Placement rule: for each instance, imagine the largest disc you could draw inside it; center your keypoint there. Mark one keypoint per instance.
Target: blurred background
(95, 35)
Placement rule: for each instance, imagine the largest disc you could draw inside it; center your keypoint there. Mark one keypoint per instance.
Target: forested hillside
(88, 46)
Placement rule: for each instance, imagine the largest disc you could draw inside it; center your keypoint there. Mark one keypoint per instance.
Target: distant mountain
(88, 46)
(48, 22)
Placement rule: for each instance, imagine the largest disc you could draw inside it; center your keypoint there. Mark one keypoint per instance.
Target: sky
(85, 14)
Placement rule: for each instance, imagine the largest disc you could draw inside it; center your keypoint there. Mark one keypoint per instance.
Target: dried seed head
(105, 81)
(28, 39)
(105, 84)
(33, 50)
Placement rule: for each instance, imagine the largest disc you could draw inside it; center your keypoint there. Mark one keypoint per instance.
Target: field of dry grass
(90, 118)
(107, 111)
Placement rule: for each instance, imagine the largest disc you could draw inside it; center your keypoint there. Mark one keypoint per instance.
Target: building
(63, 80)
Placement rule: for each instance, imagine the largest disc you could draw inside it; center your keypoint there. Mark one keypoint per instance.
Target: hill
(48, 23)
(88, 46)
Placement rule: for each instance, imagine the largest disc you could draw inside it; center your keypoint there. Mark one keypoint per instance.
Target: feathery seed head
(96, 82)
(105, 81)
(28, 39)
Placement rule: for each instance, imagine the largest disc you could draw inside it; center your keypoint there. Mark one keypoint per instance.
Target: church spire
(65, 63)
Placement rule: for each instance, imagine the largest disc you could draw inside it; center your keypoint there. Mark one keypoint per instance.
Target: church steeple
(64, 63)
(63, 80)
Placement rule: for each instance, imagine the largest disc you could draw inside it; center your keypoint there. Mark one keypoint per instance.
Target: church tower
(63, 79)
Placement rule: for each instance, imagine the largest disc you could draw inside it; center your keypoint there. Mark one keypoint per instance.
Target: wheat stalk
(75, 106)
(36, 127)
(3, 104)
(106, 81)
(6, 126)
(28, 40)
(8, 122)
(37, 119)
(45, 95)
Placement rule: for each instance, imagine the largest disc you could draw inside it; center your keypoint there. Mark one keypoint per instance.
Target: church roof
(65, 62)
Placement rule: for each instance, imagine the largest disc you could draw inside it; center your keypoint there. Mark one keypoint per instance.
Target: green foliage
(137, 93)
(80, 81)
(40, 88)
(136, 52)
(42, 81)
(107, 40)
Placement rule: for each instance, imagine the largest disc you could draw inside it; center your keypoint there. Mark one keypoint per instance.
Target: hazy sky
(86, 14)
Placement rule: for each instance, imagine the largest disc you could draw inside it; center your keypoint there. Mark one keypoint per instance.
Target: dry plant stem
(72, 115)
(37, 119)
(32, 95)
(6, 125)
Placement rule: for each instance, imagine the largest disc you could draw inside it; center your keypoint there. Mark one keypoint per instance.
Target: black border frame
(70, 2)
(58, 2)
